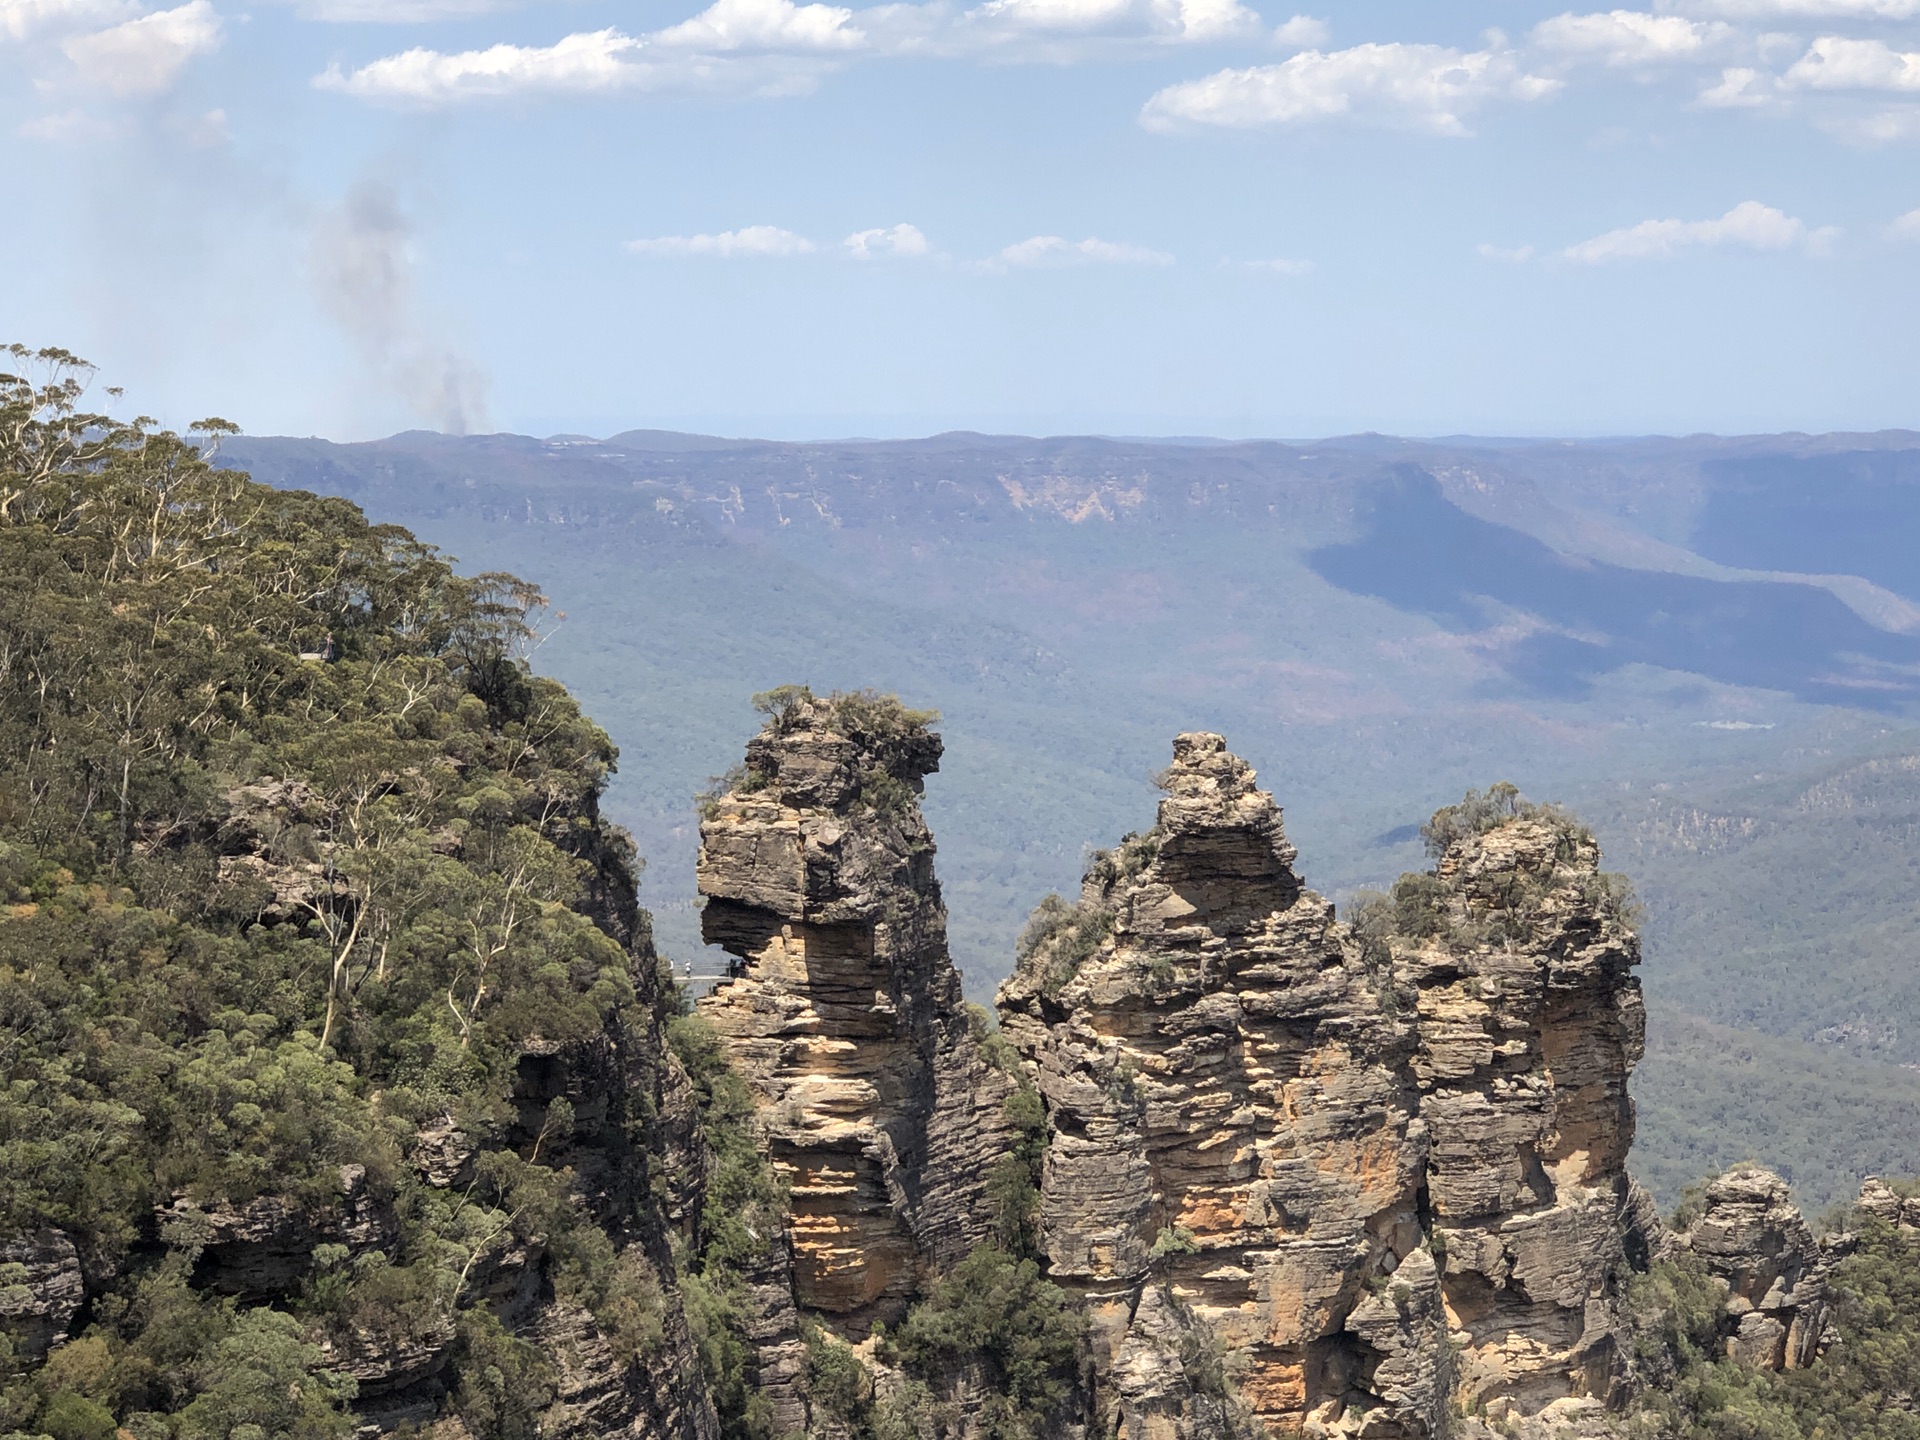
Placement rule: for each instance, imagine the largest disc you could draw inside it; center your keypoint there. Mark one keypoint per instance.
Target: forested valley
(344, 1091)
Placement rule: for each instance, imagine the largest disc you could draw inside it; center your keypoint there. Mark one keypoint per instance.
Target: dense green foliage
(1013, 1185)
(1861, 1388)
(1061, 935)
(996, 1317)
(741, 1218)
(296, 858)
(1712, 1096)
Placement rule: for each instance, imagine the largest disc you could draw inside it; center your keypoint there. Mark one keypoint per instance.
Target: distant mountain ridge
(1378, 623)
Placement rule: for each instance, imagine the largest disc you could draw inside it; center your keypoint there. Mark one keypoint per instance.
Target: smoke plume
(363, 269)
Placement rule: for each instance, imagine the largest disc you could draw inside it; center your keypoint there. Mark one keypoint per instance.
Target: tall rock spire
(846, 1016)
(1530, 1024)
(1233, 1175)
(1322, 1179)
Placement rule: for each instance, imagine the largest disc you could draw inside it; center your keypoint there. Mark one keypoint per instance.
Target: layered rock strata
(845, 1013)
(1750, 1235)
(41, 1290)
(1234, 1140)
(1530, 1022)
(1378, 1166)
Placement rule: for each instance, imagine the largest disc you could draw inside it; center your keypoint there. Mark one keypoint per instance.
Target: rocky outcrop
(1530, 1022)
(1233, 1132)
(1750, 1235)
(263, 1247)
(1383, 1165)
(1883, 1202)
(844, 1014)
(41, 1290)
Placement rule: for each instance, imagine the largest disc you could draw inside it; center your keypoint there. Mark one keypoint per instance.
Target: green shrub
(74, 1417)
(1013, 1185)
(836, 1380)
(997, 1312)
(1059, 937)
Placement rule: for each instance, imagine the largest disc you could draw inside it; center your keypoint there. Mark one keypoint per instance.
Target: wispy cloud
(751, 242)
(22, 20)
(1808, 9)
(1042, 250)
(1303, 32)
(1420, 87)
(593, 61)
(70, 127)
(396, 12)
(1741, 87)
(1003, 26)
(1747, 226)
(1279, 266)
(730, 25)
(899, 241)
(145, 55)
(1626, 37)
(1835, 63)
(1906, 227)
(1506, 255)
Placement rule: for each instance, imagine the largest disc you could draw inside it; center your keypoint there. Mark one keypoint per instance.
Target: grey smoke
(363, 269)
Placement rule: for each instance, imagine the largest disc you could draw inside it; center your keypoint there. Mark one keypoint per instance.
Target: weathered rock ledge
(1378, 1166)
(845, 1013)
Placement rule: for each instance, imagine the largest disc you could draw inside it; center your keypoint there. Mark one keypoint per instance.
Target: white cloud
(761, 46)
(1052, 14)
(1626, 37)
(142, 57)
(70, 127)
(753, 241)
(1514, 255)
(24, 19)
(1809, 9)
(899, 240)
(1204, 20)
(1740, 88)
(1906, 227)
(1836, 63)
(1423, 87)
(592, 61)
(763, 25)
(1055, 250)
(210, 131)
(1749, 225)
(1279, 266)
(1303, 32)
(998, 22)
(395, 12)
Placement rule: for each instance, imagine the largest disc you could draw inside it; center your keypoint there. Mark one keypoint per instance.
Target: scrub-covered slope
(333, 1080)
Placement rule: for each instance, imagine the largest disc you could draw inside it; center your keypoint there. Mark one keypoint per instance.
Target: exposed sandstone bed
(1750, 1235)
(1381, 1168)
(877, 1107)
(41, 1290)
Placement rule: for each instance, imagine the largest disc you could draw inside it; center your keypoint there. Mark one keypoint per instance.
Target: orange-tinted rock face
(1232, 1120)
(1530, 1023)
(846, 1016)
(1328, 1151)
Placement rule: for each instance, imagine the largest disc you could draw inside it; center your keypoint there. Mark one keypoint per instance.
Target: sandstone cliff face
(1750, 1235)
(1379, 1167)
(41, 1290)
(846, 1016)
(1530, 1022)
(1234, 1138)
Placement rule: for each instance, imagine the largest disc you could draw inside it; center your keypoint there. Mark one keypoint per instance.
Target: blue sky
(346, 217)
